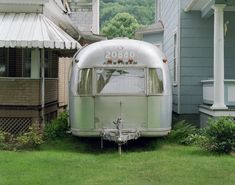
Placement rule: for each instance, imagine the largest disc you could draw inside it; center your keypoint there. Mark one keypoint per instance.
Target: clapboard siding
(169, 17)
(196, 55)
(64, 67)
(230, 46)
(196, 51)
(154, 38)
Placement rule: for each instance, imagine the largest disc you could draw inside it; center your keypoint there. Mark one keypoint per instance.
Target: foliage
(29, 140)
(6, 141)
(220, 135)
(197, 138)
(181, 131)
(142, 10)
(57, 127)
(122, 25)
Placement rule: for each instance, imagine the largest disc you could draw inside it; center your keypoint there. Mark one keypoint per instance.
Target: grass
(145, 161)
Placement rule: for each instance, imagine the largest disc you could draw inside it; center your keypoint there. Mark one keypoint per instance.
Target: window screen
(26, 62)
(85, 82)
(120, 81)
(155, 81)
(3, 59)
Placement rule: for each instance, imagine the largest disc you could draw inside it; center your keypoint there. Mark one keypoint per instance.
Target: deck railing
(26, 91)
(229, 91)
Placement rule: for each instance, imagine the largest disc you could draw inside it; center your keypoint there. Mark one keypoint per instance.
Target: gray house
(198, 38)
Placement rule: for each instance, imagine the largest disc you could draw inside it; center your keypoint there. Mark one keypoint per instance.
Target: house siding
(64, 70)
(169, 16)
(154, 38)
(229, 46)
(196, 55)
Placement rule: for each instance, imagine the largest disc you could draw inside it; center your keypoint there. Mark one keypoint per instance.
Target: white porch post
(42, 86)
(219, 57)
(35, 63)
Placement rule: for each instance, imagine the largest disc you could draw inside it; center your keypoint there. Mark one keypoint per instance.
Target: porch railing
(229, 92)
(26, 91)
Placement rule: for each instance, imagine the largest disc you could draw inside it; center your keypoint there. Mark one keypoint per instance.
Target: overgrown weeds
(57, 127)
(218, 136)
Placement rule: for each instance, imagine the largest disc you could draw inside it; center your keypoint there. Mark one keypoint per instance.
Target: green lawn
(71, 161)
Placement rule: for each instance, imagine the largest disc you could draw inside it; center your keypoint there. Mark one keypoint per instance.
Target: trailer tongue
(119, 135)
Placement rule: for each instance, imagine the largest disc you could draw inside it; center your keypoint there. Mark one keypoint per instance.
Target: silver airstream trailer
(120, 90)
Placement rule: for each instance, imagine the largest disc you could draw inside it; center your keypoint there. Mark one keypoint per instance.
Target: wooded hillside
(142, 10)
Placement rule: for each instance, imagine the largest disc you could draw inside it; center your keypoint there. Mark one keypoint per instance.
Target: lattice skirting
(15, 125)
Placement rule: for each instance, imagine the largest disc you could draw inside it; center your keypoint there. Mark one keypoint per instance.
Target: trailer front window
(120, 81)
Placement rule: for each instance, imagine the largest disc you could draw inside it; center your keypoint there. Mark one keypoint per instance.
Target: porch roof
(33, 30)
(205, 6)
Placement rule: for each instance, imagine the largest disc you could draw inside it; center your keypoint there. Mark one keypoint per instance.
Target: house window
(26, 62)
(3, 62)
(51, 64)
(15, 62)
(175, 59)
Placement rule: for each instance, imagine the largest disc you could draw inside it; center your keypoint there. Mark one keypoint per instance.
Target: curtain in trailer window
(155, 81)
(120, 81)
(85, 82)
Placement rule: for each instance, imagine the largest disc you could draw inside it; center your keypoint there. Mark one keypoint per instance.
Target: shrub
(29, 140)
(6, 141)
(220, 135)
(196, 138)
(181, 131)
(57, 127)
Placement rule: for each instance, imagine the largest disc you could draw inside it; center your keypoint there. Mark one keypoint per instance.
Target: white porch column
(219, 57)
(35, 63)
(42, 86)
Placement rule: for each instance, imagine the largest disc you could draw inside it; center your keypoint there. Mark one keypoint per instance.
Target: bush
(196, 138)
(29, 140)
(57, 127)
(220, 135)
(181, 131)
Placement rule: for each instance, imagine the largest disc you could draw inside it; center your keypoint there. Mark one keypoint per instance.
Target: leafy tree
(122, 25)
(142, 10)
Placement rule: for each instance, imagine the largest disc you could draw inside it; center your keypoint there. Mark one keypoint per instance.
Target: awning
(33, 30)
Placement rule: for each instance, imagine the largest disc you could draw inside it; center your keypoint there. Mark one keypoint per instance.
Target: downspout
(179, 55)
